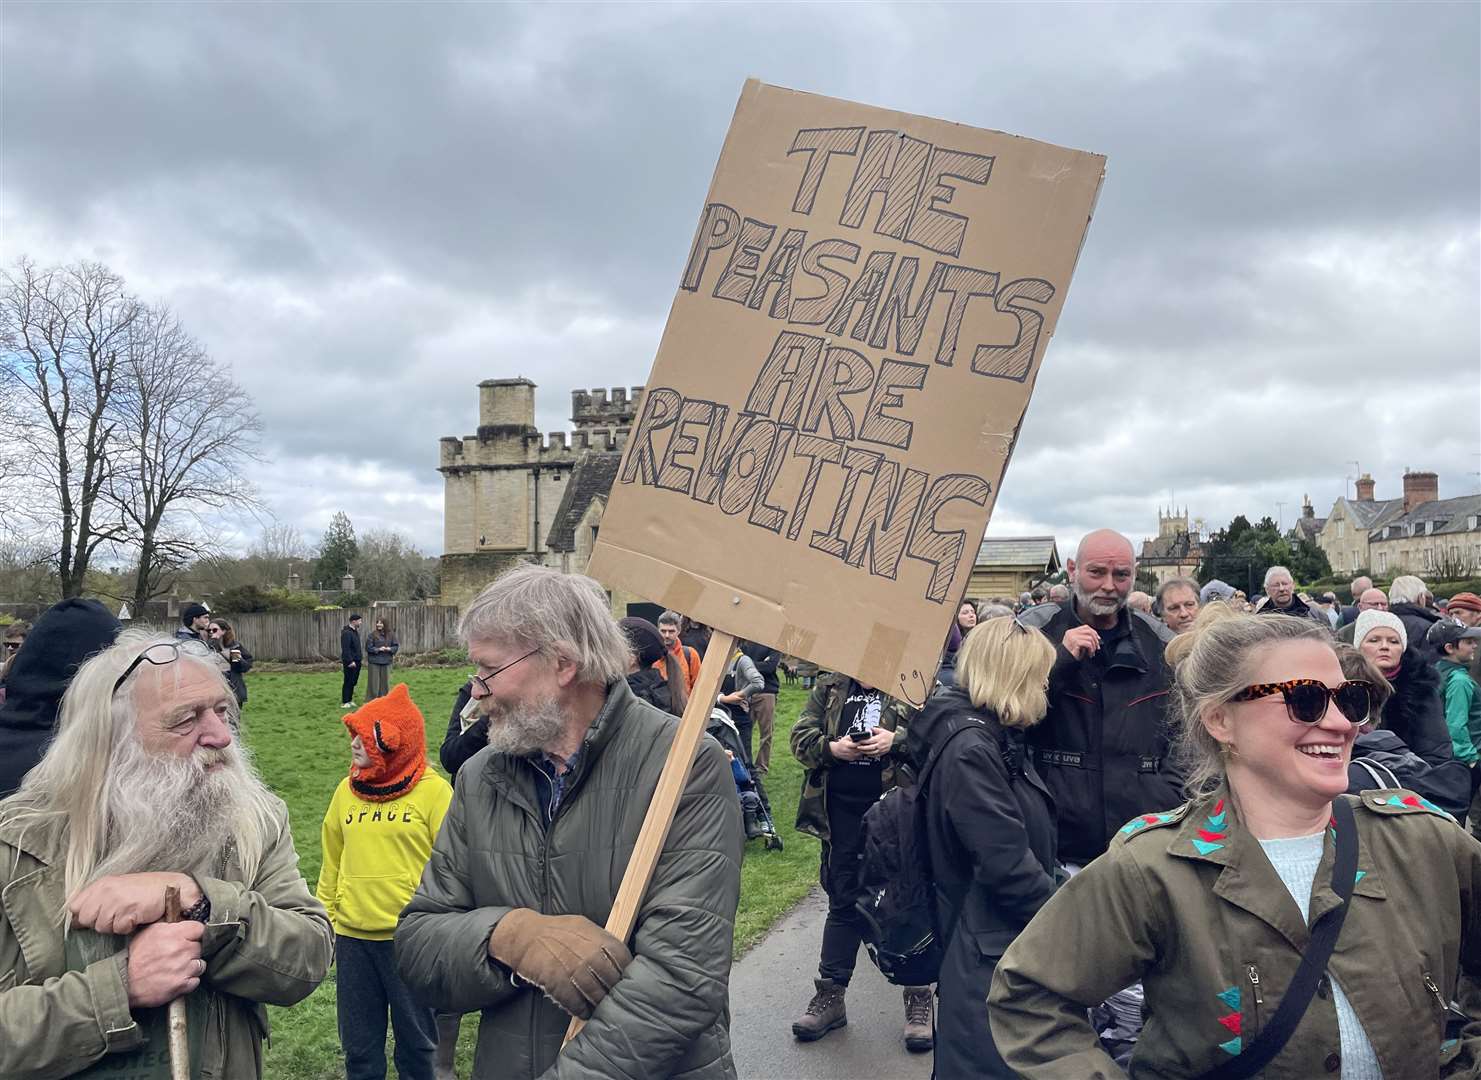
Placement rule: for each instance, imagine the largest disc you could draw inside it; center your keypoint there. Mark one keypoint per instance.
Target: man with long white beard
(508, 919)
(144, 789)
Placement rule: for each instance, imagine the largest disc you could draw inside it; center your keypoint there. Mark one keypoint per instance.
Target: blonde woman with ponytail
(1215, 904)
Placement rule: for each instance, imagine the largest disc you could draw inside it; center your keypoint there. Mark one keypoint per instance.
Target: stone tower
(504, 485)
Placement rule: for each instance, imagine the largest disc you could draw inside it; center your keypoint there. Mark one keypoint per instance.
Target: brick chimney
(1420, 488)
(1365, 488)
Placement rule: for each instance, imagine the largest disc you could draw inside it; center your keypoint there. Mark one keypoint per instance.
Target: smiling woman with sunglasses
(1281, 927)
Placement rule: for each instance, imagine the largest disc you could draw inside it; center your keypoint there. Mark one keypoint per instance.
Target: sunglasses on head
(165, 652)
(1307, 700)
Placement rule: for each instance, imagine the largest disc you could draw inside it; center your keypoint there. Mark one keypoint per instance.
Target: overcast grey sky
(364, 210)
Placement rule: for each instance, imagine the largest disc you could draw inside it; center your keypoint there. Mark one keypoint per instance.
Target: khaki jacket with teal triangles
(1187, 902)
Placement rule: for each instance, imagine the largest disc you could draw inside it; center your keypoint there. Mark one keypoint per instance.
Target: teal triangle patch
(1394, 800)
(1233, 1046)
(1359, 877)
(1204, 847)
(1217, 820)
(1230, 998)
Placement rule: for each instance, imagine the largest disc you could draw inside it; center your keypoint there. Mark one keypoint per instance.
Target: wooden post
(671, 781)
(179, 1028)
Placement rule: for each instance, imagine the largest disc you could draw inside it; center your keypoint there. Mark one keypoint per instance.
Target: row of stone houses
(1417, 533)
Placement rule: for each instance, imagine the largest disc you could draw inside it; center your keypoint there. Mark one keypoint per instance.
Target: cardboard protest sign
(856, 333)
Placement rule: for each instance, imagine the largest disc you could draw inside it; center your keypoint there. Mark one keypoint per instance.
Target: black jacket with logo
(1104, 747)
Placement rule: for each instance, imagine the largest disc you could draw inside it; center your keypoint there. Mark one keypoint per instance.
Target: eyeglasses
(12, 646)
(483, 680)
(1307, 700)
(166, 652)
(213, 630)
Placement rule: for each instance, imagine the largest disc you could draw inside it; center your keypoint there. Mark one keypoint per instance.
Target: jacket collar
(511, 772)
(1212, 832)
(1123, 650)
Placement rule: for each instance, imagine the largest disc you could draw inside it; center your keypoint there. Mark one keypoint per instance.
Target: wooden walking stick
(179, 1028)
(666, 795)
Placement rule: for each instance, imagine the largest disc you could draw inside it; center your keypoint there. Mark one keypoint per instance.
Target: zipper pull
(1429, 984)
(1254, 974)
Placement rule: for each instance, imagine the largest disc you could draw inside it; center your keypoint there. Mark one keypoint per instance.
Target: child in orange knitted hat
(377, 838)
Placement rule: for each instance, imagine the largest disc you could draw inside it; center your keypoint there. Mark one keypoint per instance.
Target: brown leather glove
(570, 958)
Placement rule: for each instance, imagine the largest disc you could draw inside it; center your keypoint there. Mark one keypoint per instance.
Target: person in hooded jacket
(1380, 759)
(63, 637)
(990, 828)
(1415, 713)
(377, 837)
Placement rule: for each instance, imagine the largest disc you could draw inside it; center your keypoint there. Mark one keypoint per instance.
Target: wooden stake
(179, 1027)
(671, 781)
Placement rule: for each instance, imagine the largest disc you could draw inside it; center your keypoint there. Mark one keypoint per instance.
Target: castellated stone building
(513, 494)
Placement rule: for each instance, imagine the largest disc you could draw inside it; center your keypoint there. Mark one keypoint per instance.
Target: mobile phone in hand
(861, 736)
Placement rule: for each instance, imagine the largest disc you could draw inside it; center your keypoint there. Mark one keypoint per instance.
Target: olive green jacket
(267, 942)
(817, 727)
(667, 1016)
(1187, 902)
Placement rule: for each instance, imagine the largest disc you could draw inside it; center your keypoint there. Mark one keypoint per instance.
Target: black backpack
(899, 901)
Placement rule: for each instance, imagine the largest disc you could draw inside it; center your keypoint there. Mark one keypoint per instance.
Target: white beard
(168, 813)
(1098, 605)
(525, 727)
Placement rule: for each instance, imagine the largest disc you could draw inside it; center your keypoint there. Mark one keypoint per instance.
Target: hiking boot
(823, 1013)
(918, 1037)
(752, 820)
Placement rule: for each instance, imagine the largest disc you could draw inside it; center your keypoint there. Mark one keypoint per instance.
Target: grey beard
(525, 728)
(1097, 605)
(167, 813)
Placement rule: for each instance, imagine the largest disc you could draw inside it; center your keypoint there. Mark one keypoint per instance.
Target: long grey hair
(126, 810)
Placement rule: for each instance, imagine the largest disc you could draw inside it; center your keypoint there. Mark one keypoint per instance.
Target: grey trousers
(378, 681)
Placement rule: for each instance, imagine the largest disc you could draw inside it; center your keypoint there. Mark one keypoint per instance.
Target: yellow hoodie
(374, 853)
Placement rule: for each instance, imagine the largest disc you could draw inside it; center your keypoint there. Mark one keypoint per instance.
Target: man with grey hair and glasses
(144, 790)
(508, 919)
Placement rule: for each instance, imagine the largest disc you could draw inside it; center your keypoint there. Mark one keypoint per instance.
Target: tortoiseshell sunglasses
(1307, 700)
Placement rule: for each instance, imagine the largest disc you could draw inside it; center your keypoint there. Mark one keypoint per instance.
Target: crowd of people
(1204, 835)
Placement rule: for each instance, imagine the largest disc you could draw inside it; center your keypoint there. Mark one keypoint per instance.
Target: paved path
(771, 985)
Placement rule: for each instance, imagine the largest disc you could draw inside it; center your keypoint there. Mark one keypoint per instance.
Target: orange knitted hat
(395, 737)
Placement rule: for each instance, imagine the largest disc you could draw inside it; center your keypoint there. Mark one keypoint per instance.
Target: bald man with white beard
(144, 789)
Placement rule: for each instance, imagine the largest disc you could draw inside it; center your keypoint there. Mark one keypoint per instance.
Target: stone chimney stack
(1365, 488)
(1420, 488)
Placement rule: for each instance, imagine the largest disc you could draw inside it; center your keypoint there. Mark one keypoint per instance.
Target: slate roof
(592, 477)
(1035, 551)
(1373, 514)
(1310, 527)
(1454, 513)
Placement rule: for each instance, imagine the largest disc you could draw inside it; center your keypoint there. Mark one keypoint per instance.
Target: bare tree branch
(61, 333)
(187, 435)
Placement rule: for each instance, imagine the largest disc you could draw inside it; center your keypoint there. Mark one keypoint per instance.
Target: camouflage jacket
(816, 728)
(1187, 902)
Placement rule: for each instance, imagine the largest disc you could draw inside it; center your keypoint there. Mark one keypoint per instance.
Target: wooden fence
(314, 635)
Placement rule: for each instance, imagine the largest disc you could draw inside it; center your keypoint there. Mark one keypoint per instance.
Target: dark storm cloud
(366, 209)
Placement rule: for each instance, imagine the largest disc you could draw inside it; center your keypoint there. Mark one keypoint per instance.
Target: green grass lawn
(292, 724)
